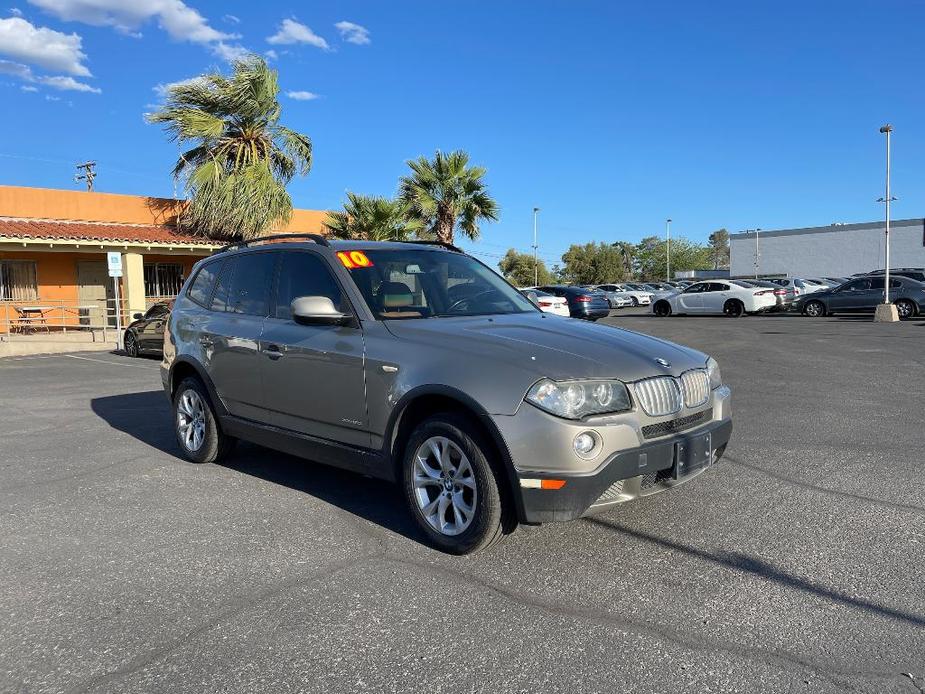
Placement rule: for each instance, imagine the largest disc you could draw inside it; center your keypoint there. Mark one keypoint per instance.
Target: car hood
(548, 346)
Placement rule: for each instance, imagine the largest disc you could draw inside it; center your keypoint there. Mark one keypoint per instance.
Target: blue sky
(609, 116)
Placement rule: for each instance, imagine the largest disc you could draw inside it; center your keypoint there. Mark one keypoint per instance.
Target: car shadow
(146, 416)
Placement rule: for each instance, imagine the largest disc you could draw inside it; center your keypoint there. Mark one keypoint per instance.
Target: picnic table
(31, 318)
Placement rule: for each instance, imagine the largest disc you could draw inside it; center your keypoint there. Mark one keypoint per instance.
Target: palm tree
(627, 251)
(445, 193)
(373, 218)
(236, 173)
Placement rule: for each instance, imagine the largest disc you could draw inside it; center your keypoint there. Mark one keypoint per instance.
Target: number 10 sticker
(354, 259)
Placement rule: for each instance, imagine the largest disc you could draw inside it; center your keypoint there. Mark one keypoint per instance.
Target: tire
(905, 309)
(662, 309)
(465, 480)
(130, 343)
(734, 308)
(205, 443)
(634, 300)
(814, 309)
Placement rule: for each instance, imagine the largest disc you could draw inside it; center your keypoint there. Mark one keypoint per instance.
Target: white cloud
(302, 96)
(180, 21)
(271, 54)
(231, 19)
(230, 52)
(68, 83)
(353, 33)
(16, 12)
(42, 46)
(24, 72)
(49, 97)
(29, 88)
(291, 31)
(164, 88)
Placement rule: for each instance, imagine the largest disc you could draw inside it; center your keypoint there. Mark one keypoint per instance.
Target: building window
(17, 280)
(163, 279)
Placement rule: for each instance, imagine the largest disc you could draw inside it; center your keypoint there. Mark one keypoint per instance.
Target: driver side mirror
(317, 310)
(136, 315)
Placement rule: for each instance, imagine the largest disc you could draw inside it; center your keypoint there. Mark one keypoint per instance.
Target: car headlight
(577, 399)
(716, 378)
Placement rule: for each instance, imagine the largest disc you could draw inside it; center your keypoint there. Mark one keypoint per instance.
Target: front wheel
(905, 308)
(634, 301)
(131, 344)
(662, 309)
(450, 487)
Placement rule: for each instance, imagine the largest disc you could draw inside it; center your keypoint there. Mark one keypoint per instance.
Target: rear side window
(305, 274)
(200, 290)
(244, 284)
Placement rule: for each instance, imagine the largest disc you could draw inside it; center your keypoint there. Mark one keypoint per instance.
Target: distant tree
(628, 254)
(242, 158)
(517, 269)
(372, 218)
(593, 263)
(445, 194)
(685, 255)
(719, 248)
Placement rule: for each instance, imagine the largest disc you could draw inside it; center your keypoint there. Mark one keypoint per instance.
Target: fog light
(586, 444)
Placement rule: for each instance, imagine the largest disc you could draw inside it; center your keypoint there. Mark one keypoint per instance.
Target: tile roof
(63, 230)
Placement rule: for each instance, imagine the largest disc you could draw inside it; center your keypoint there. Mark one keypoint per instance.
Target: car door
(691, 299)
(850, 296)
(230, 332)
(714, 297)
(151, 336)
(314, 374)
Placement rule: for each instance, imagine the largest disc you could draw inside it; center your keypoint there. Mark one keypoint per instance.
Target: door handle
(273, 351)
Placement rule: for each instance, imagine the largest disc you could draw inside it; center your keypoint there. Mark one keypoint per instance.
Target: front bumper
(625, 475)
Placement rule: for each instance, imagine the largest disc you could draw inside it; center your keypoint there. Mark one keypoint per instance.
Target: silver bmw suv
(417, 364)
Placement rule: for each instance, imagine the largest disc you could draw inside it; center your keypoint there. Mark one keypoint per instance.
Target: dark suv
(420, 365)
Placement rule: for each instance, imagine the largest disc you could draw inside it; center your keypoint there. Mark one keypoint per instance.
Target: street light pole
(887, 129)
(757, 251)
(668, 250)
(536, 270)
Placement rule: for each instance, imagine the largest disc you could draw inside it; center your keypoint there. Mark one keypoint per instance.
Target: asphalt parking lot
(795, 565)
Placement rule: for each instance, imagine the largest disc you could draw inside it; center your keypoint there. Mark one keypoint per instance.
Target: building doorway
(95, 294)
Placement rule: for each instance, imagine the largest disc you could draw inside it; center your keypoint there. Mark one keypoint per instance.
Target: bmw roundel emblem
(663, 362)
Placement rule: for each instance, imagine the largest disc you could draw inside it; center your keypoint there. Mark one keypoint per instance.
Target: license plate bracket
(692, 453)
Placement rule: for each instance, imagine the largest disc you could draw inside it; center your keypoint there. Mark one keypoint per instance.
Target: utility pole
(88, 174)
(668, 250)
(886, 312)
(536, 266)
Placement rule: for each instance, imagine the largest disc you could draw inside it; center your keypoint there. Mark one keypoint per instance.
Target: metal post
(668, 250)
(886, 281)
(115, 281)
(757, 252)
(536, 269)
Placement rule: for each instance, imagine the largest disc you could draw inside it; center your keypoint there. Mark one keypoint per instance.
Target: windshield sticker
(354, 259)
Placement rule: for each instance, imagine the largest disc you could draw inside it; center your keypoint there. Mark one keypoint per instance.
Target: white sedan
(548, 303)
(637, 297)
(716, 297)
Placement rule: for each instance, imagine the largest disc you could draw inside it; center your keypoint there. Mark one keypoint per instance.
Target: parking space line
(112, 363)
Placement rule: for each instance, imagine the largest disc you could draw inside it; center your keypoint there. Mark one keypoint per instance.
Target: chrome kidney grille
(696, 387)
(658, 396)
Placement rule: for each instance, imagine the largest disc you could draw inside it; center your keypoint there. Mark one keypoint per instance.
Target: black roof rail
(317, 238)
(444, 244)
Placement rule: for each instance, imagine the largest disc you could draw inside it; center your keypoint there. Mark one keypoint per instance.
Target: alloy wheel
(131, 345)
(444, 485)
(814, 309)
(904, 309)
(191, 420)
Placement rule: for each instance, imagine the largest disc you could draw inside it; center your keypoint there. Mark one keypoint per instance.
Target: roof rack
(317, 238)
(444, 244)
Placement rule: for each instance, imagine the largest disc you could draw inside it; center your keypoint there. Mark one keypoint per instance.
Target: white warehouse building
(839, 250)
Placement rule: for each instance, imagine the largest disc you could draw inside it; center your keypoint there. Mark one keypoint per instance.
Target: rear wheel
(734, 308)
(634, 301)
(450, 487)
(905, 308)
(814, 309)
(196, 426)
(662, 309)
(131, 344)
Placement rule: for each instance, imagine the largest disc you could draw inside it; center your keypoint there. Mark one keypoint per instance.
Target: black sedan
(588, 304)
(146, 333)
(864, 294)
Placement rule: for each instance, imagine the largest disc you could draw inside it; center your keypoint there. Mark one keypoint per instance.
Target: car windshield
(417, 283)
